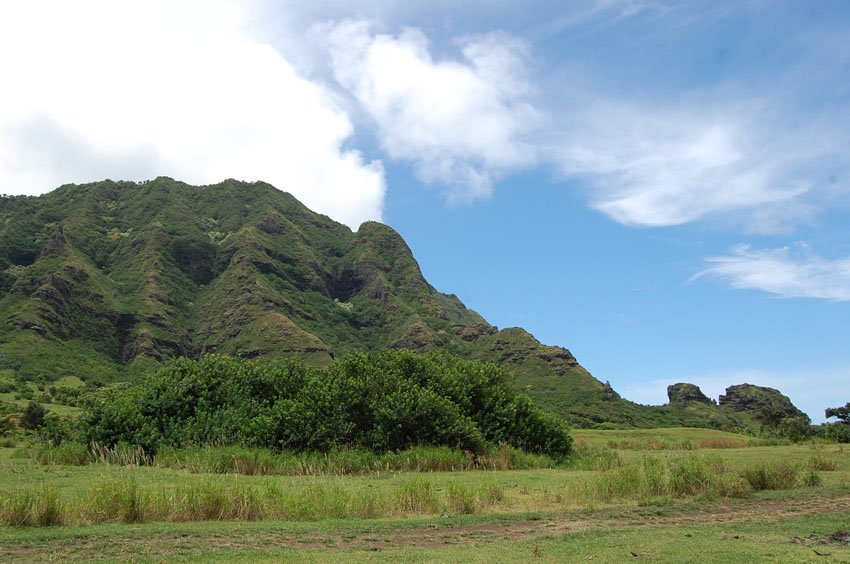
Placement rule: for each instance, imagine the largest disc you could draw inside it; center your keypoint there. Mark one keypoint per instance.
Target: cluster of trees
(382, 401)
(798, 428)
(839, 431)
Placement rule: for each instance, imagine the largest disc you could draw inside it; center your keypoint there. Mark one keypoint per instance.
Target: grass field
(629, 495)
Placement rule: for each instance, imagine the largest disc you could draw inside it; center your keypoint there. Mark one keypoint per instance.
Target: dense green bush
(795, 429)
(33, 416)
(384, 401)
(838, 432)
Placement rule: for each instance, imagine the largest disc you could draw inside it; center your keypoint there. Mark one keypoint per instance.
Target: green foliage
(812, 479)
(795, 429)
(57, 430)
(6, 426)
(381, 402)
(841, 413)
(33, 416)
(838, 432)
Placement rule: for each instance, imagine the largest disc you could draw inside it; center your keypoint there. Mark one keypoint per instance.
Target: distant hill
(105, 281)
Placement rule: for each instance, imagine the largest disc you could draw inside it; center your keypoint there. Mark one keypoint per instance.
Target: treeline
(384, 401)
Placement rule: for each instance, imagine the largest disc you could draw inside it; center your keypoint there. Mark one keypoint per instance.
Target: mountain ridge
(110, 279)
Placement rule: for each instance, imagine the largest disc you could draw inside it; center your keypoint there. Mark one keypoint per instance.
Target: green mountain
(105, 281)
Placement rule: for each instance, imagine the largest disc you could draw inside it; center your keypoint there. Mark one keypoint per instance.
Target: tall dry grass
(123, 500)
(257, 461)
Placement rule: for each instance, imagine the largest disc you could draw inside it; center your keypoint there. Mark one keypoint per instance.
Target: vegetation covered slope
(127, 275)
(105, 281)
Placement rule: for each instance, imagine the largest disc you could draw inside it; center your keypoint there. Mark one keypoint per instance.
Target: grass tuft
(344, 462)
(660, 478)
(117, 500)
(812, 479)
(417, 496)
(723, 442)
(817, 462)
(587, 456)
(28, 508)
(771, 476)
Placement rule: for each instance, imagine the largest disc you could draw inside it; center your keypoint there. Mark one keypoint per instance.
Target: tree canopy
(382, 401)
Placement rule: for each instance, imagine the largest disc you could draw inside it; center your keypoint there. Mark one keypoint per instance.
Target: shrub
(57, 430)
(838, 432)
(33, 416)
(6, 425)
(795, 429)
(382, 402)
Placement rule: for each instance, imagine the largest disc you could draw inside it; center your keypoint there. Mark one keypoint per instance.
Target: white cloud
(797, 274)
(461, 123)
(650, 166)
(133, 90)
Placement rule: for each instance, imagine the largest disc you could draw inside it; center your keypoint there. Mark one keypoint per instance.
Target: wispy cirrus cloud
(788, 272)
(650, 166)
(461, 122)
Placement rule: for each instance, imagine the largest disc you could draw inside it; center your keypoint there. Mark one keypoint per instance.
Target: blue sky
(661, 187)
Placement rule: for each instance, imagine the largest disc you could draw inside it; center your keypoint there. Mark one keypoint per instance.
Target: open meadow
(660, 495)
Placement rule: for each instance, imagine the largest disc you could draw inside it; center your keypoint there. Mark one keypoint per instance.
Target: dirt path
(141, 544)
(767, 511)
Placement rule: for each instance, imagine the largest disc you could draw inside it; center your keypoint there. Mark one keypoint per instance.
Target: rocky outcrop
(763, 403)
(683, 393)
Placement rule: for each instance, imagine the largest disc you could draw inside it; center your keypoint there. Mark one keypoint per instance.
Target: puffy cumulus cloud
(132, 90)
(792, 273)
(649, 166)
(461, 123)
